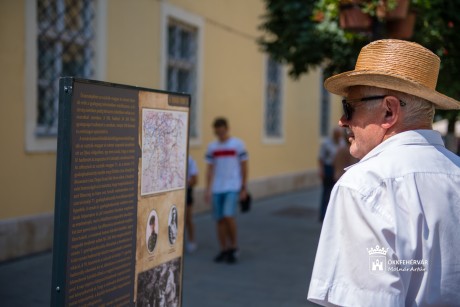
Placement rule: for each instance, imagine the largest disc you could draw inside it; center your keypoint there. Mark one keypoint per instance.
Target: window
(273, 112)
(65, 37)
(181, 70)
(181, 59)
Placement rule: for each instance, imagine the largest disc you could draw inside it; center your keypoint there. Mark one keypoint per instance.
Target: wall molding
(26, 235)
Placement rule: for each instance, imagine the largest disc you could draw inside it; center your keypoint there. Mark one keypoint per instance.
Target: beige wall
(26, 180)
(233, 78)
(233, 86)
(133, 42)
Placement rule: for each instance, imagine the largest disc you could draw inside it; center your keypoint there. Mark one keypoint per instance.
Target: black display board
(107, 157)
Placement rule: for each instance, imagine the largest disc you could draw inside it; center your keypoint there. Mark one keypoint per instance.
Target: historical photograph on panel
(164, 150)
(172, 225)
(160, 286)
(152, 231)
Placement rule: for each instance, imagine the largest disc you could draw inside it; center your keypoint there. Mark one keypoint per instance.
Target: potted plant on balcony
(352, 17)
(361, 15)
(390, 16)
(402, 28)
(396, 9)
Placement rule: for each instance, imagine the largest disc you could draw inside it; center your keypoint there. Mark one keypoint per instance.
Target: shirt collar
(412, 137)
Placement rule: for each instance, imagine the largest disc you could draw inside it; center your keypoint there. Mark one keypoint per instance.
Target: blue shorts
(225, 204)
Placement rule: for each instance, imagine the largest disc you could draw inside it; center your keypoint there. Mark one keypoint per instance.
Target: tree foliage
(295, 34)
(295, 38)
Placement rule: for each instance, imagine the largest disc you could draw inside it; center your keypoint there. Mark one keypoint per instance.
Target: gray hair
(418, 112)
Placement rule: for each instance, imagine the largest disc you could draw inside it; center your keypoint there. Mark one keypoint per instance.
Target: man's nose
(343, 122)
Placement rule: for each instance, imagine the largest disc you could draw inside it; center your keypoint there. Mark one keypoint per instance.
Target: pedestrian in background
(343, 159)
(192, 180)
(326, 156)
(390, 236)
(226, 178)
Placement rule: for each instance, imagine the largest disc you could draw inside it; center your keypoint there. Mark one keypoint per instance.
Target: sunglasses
(348, 109)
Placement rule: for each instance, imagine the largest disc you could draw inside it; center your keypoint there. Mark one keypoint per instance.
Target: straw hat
(397, 65)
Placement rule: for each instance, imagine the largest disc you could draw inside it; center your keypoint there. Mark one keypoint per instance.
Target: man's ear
(392, 112)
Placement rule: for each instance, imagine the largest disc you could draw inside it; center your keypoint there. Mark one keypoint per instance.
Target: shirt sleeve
(192, 169)
(346, 272)
(209, 157)
(242, 152)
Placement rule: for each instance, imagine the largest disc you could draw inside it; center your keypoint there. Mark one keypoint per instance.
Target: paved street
(278, 243)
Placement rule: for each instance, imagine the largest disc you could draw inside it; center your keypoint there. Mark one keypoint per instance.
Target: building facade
(207, 48)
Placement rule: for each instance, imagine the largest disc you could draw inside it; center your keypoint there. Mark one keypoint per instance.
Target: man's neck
(225, 139)
(395, 131)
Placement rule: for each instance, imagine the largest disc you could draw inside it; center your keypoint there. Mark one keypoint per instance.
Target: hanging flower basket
(352, 18)
(399, 12)
(402, 28)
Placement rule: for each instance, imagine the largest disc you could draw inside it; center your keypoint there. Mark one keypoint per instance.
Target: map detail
(164, 150)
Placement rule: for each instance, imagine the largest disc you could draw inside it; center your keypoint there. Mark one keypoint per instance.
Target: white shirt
(226, 157)
(327, 151)
(403, 196)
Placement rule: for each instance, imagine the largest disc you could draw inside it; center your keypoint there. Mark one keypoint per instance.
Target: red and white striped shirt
(226, 157)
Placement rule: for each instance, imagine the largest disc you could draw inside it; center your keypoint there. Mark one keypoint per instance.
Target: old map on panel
(164, 150)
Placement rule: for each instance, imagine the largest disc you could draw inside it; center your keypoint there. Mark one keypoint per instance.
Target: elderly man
(391, 233)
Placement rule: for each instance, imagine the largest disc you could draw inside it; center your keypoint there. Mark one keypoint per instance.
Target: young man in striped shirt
(225, 185)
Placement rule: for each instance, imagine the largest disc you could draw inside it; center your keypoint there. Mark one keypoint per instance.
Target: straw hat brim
(340, 83)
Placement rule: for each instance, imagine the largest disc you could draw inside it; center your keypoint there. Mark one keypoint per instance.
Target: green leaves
(306, 34)
(304, 42)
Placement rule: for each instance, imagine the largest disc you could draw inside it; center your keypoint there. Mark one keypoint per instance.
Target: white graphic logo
(377, 259)
(378, 262)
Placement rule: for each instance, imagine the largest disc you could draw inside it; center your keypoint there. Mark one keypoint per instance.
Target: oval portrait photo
(151, 231)
(172, 225)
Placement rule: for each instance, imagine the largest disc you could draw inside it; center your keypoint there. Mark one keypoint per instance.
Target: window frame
(179, 15)
(268, 139)
(34, 140)
(324, 109)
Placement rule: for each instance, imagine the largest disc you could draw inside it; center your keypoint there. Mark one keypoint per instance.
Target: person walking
(326, 156)
(343, 159)
(226, 178)
(390, 235)
(192, 180)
